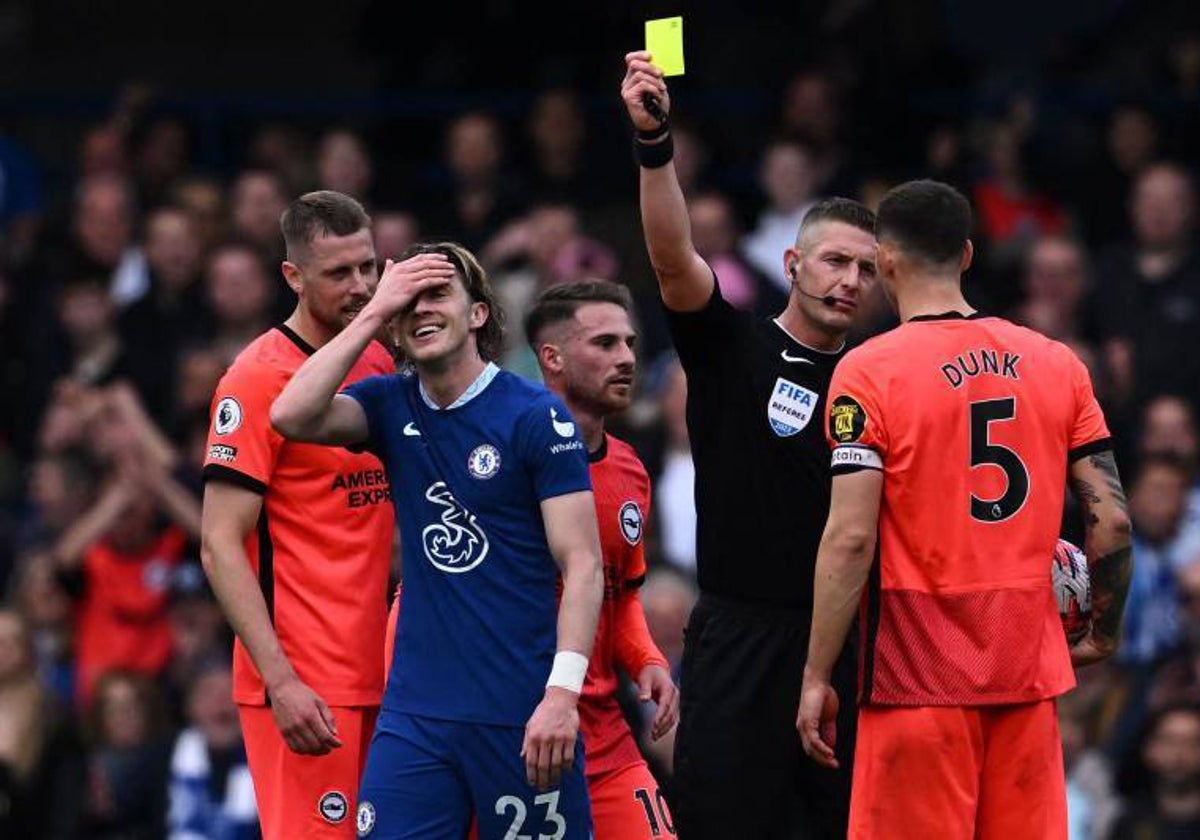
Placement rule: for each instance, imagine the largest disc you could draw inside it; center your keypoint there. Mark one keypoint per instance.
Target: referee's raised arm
(684, 278)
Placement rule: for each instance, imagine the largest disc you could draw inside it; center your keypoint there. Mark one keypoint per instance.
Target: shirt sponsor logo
(228, 416)
(332, 807)
(563, 428)
(630, 520)
(221, 452)
(847, 419)
(790, 407)
(455, 543)
(559, 448)
(483, 462)
(364, 823)
(365, 487)
(857, 456)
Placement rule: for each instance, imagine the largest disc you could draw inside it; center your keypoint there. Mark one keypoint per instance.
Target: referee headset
(827, 299)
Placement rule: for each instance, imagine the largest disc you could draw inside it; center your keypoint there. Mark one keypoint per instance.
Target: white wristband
(569, 670)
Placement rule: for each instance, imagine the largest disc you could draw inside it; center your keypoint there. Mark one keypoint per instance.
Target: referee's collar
(785, 331)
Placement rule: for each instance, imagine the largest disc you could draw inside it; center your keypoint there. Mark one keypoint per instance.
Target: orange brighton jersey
(323, 543)
(621, 489)
(973, 422)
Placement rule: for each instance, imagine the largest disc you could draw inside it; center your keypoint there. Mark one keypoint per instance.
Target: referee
(756, 392)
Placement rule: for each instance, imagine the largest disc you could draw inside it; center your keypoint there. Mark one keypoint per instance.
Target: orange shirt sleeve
(1089, 432)
(633, 646)
(632, 643)
(242, 446)
(854, 423)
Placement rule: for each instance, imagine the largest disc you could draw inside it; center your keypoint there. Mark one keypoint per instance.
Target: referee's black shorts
(740, 771)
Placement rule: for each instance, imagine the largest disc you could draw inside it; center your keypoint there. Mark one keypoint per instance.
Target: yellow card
(664, 42)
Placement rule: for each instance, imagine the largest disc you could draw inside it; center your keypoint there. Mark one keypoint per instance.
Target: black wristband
(661, 130)
(654, 155)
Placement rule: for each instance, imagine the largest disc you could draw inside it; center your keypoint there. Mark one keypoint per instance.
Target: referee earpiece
(792, 270)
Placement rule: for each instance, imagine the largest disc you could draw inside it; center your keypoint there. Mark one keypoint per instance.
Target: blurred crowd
(128, 286)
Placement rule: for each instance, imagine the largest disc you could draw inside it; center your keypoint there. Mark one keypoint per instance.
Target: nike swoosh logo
(411, 431)
(787, 357)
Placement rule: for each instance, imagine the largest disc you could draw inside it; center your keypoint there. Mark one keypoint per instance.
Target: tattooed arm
(1097, 485)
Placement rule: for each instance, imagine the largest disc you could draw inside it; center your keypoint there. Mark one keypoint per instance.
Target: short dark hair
(490, 337)
(560, 303)
(844, 210)
(320, 213)
(928, 219)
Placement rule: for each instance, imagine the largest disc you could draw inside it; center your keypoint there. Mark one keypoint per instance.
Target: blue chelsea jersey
(477, 630)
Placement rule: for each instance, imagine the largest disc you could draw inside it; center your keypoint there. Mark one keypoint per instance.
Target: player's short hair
(560, 303)
(490, 337)
(928, 219)
(320, 213)
(844, 210)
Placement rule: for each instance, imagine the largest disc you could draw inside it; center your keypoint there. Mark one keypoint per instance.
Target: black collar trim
(295, 338)
(598, 455)
(948, 316)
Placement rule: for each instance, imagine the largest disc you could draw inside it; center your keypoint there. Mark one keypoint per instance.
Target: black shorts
(740, 771)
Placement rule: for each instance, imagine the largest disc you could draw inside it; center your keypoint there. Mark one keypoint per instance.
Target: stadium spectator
(172, 313)
(41, 773)
(1131, 142)
(344, 164)
(788, 178)
(283, 150)
(161, 158)
(242, 297)
(46, 611)
(1146, 301)
(559, 170)
(103, 225)
(395, 232)
(1054, 284)
(61, 487)
(675, 484)
(117, 561)
(715, 235)
(204, 201)
(93, 353)
(541, 249)
(1157, 504)
(812, 113)
(129, 759)
(258, 198)
(1164, 801)
(210, 790)
(481, 195)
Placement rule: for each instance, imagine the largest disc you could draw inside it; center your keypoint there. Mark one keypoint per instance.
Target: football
(1072, 590)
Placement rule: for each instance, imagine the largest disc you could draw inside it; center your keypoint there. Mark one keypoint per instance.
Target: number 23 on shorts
(551, 819)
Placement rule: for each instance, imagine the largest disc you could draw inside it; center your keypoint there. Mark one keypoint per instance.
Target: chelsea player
(491, 487)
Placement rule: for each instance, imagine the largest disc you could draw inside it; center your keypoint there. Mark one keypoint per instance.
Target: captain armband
(851, 458)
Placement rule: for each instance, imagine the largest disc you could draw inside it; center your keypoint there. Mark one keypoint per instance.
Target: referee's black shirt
(755, 416)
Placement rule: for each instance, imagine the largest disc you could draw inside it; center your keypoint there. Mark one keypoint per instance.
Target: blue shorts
(426, 778)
